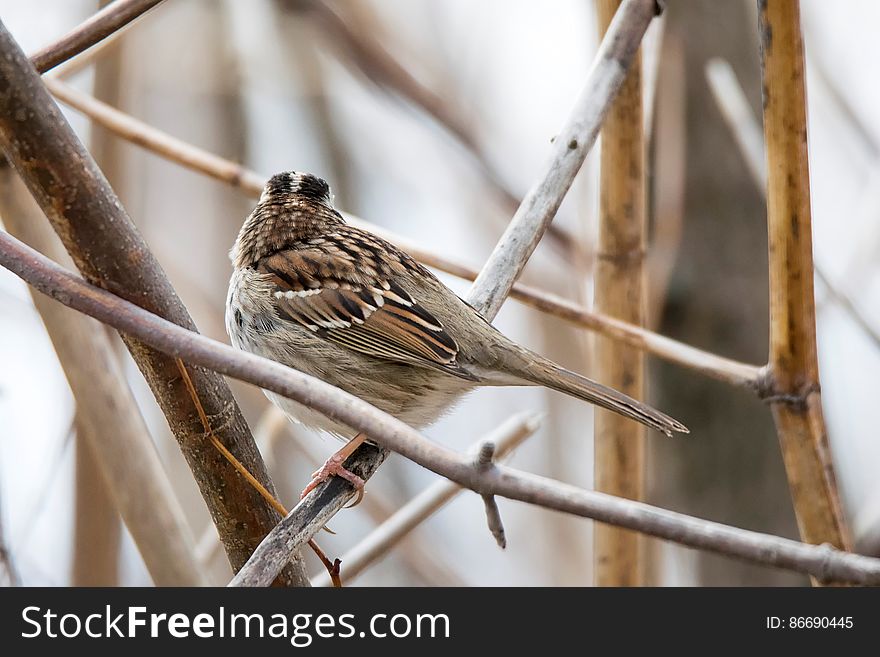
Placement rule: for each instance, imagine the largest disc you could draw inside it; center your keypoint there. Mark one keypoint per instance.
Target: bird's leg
(333, 466)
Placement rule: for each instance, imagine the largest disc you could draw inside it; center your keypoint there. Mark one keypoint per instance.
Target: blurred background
(428, 118)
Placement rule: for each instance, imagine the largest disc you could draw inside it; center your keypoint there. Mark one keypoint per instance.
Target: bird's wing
(358, 305)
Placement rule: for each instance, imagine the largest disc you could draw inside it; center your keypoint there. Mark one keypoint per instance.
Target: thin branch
(113, 432)
(738, 116)
(102, 24)
(570, 149)
(185, 154)
(793, 374)
(619, 291)
(106, 247)
(398, 526)
(157, 141)
(734, 106)
(823, 562)
(483, 463)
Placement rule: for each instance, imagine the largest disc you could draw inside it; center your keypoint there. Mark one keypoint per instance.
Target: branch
(823, 562)
(619, 291)
(485, 461)
(161, 143)
(106, 247)
(102, 24)
(793, 374)
(185, 154)
(570, 149)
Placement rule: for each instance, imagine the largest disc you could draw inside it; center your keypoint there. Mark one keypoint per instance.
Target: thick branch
(570, 149)
(823, 562)
(111, 18)
(109, 251)
(793, 375)
(619, 291)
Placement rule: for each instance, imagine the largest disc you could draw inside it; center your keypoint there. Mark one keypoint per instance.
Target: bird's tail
(540, 371)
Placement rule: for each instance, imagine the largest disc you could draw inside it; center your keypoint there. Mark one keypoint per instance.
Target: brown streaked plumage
(342, 304)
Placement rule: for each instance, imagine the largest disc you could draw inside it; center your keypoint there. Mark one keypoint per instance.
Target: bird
(339, 303)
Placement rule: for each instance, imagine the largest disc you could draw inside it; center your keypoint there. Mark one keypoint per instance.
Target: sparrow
(345, 306)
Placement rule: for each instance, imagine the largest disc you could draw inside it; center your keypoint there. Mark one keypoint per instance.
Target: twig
(619, 291)
(106, 247)
(116, 434)
(113, 17)
(793, 371)
(310, 514)
(398, 526)
(484, 462)
(185, 154)
(570, 148)
(742, 122)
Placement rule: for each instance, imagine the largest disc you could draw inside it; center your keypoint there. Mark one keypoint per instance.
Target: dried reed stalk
(619, 289)
(792, 382)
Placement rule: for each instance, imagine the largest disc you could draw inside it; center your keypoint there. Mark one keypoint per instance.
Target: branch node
(770, 392)
(826, 563)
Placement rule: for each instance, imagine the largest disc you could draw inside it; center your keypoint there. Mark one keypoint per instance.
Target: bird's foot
(333, 467)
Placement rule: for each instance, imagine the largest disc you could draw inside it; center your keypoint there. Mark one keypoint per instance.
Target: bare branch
(398, 526)
(106, 247)
(793, 374)
(185, 154)
(570, 149)
(823, 562)
(484, 462)
(157, 141)
(102, 24)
